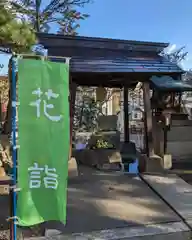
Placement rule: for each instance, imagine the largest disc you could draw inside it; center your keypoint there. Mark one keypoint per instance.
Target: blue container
(133, 167)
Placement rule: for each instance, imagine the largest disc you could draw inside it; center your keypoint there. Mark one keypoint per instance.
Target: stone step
(166, 231)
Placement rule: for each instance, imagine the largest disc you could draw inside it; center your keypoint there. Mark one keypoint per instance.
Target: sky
(145, 20)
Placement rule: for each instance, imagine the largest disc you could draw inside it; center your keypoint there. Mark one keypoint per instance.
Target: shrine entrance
(101, 198)
(97, 62)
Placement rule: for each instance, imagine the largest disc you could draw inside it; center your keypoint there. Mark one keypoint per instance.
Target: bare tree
(177, 55)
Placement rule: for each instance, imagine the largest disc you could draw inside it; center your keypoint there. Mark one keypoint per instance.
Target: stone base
(72, 168)
(154, 164)
(97, 157)
(165, 231)
(167, 161)
(111, 167)
(2, 172)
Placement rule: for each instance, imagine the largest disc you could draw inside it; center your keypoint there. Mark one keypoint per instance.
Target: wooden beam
(53, 40)
(149, 143)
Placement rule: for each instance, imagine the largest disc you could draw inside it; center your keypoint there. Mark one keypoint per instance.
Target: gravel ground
(186, 177)
(4, 214)
(184, 170)
(4, 235)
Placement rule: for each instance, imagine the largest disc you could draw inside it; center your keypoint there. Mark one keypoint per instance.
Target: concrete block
(166, 161)
(154, 164)
(115, 157)
(72, 168)
(2, 172)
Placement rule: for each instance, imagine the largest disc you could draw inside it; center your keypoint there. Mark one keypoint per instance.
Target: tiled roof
(167, 83)
(101, 55)
(120, 63)
(98, 55)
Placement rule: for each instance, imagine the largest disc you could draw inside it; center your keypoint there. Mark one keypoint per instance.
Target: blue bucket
(133, 167)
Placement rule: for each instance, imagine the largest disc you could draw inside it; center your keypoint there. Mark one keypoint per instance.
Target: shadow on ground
(98, 201)
(102, 200)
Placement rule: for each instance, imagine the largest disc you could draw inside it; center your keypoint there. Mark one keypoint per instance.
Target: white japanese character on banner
(48, 175)
(35, 176)
(50, 94)
(50, 181)
(37, 103)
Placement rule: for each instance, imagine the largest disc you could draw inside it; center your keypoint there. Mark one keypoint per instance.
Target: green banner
(44, 141)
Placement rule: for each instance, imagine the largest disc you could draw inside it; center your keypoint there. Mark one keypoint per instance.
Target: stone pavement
(114, 206)
(165, 231)
(175, 191)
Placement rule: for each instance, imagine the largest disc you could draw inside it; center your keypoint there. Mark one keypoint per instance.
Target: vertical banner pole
(14, 150)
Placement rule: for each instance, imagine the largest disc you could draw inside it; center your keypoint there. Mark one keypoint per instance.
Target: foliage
(4, 88)
(70, 25)
(19, 19)
(102, 144)
(18, 35)
(88, 109)
(61, 12)
(85, 117)
(17, 22)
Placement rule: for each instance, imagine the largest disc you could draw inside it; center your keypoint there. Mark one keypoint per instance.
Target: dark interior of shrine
(115, 80)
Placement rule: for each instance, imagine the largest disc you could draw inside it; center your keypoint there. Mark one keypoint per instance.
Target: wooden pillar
(72, 89)
(1, 112)
(126, 114)
(149, 144)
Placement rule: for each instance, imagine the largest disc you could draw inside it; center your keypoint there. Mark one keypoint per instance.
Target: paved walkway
(176, 192)
(116, 206)
(112, 206)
